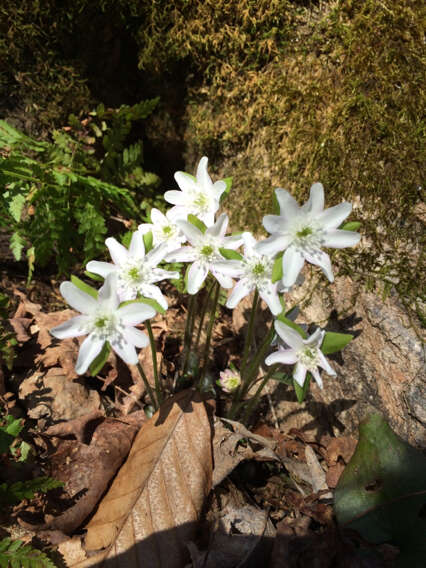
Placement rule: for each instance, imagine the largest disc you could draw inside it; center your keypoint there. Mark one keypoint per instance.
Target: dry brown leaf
(342, 447)
(318, 481)
(152, 507)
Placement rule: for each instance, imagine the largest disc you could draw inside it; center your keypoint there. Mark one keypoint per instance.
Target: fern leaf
(16, 245)
(16, 492)
(13, 553)
(16, 205)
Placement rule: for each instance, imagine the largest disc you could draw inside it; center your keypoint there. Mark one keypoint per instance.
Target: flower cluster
(193, 232)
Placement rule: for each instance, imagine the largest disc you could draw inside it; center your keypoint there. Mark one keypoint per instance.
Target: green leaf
(277, 269)
(13, 426)
(148, 240)
(93, 276)
(16, 245)
(148, 301)
(14, 554)
(301, 391)
(16, 205)
(230, 254)
(334, 342)
(282, 378)
(197, 223)
(84, 287)
(351, 226)
(284, 319)
(382, 491)
(97, 364)
(228, 182)
(126, 238)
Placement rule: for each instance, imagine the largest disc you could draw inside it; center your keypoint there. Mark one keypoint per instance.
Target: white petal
(137, 247)
(289, 207)
(218, 188)
(233, 268)
(176, 213)
(89, 350)
(107, 294)
(275, 223)
(315, 339)
(145, 228)
(324, 364)
(184, 254)
(202, 175)
(77, 299)
(196, 276)
(321, 259)
(232, 242)
(289, 335)
(135, 313)
(156, 255)
(219, 228)
(185, 181)
(315, 203)
(340, 239)
(118, 252)
(208, 218)
(72, 328)
(249, 243)
(175, 197)
(194, 235)
(125, 350)
(268, 293)
(157, 218)
(136, 337)
(283, 356)
(159, 274)
(299, 374)
(155, 293)
(101, 268)
(224, 280)
(241, 290)
(333, 217)
(293, 261)
(317, 377)
(272, 245)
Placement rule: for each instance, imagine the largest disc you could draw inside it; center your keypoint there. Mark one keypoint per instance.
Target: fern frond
(16, 554)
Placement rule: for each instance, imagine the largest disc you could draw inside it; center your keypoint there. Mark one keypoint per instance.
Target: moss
(284, 94)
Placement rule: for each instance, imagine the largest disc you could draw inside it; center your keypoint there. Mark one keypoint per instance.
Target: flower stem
(209, 333)
(249, 334)
(255, 399)
(203, 315)
(158, 391)
(189, 326)
(147, 386)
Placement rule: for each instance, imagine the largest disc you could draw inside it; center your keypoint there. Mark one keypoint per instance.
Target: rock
(382, 369)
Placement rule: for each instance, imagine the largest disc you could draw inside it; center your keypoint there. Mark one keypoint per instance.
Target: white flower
(229, 380)
(302, 231)
(254, 271)
(199, 196)
(305, 353)
(136, 271)
(204, 252)
(164, 229)
(103, 320)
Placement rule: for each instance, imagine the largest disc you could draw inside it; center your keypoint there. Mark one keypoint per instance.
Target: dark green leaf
(334, 342)
(281, 317)
(93, 276)
(97, 364)
(382, 491)
(351, 226)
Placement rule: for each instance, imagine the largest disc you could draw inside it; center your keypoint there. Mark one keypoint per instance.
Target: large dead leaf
(151, 509)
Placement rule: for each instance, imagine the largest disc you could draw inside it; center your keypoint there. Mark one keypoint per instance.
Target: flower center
(201, 201)
(305, 232)
(258, 269)
(134, 274)
(105, 325)
(167, 230)
(207, 251)
(309, 357)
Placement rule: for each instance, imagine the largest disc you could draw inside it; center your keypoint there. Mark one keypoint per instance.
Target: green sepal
(230, 254)
(281, 377)
(301, 391)
(197, 223)
(93, 276)
(334, 342)
(126, 238)
(284, 319)
(148, 241)
(186, 279)
(97, 364)
(351, 226)
(228, 182)
(277, 269)
(275, 204)
(84, 287)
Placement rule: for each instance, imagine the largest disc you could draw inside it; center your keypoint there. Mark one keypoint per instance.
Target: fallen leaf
(318, 480)
(333, 474)
(153, 505)
(342, 447)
